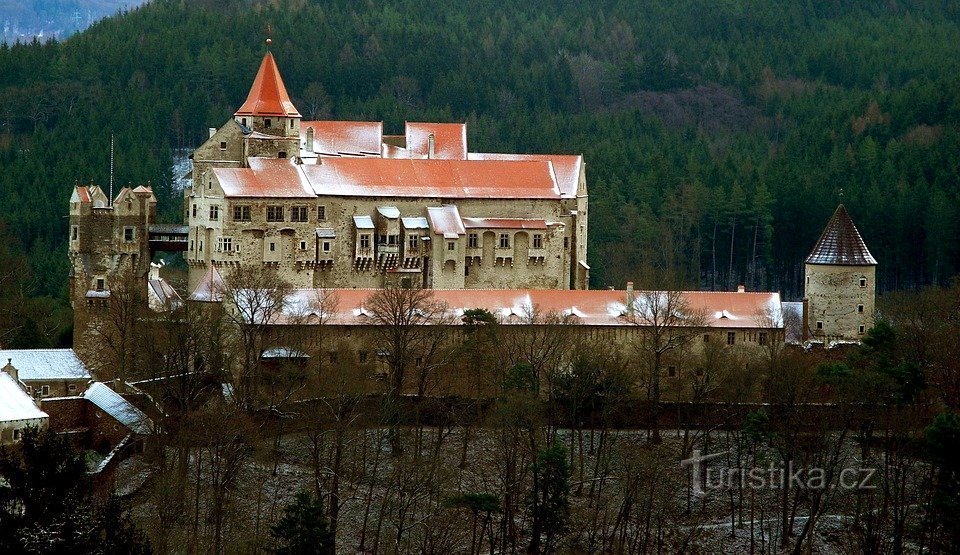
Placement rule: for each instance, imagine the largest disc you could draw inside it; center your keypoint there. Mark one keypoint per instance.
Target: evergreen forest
(718, 136)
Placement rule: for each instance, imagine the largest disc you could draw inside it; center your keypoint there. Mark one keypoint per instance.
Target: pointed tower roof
(268, 96)
(841, 243)
(211, 287)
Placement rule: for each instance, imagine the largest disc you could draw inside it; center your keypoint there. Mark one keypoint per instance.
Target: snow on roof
(210, 288)
(449, 140)
(445, 220)
(110, 402)
(567, 167)
(326, 233)
(504, 223)
(363, 222)
(15, 404)
(336, 138)
(391, 212)
(415, 222)
(284, 352)
(841, 243)
(45, 364)
(266, 177)
(268, 95)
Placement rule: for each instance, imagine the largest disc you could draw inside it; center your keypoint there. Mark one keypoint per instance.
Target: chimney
(741, 288)
(431, 146)
(12, 370)
(630, 297)
(212, 130)
(154, 271)
(310, 146)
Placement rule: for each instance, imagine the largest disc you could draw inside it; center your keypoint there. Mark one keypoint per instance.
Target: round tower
(840, 282)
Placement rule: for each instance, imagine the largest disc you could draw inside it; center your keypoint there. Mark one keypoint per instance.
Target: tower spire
(110, 199)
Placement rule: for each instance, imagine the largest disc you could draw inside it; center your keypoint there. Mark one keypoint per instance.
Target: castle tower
(109, 254)
(840, 282)
(270, 114)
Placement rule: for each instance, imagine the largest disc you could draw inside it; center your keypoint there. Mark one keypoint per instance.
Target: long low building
(48, 372)
(17, 410)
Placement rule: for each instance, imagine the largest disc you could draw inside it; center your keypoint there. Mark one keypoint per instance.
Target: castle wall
(841, 298)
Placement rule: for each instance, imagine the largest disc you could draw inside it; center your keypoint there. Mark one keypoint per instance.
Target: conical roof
(841, 243)
(268, 96)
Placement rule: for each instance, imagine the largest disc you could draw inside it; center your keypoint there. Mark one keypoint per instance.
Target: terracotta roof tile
(503, 223)
(566, 166)
(450, 140)
(268, 95)
(267, 178)
(841, 243)
(335, 138)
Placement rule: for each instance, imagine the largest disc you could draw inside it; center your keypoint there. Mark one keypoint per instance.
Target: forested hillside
(718, 135)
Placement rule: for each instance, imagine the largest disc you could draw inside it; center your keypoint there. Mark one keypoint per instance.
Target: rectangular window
(731, 337)
(862, 329)
(537, 241)
(303, 245)
(762, 338)
(74, 233)
(473, 241)
(566, 242)
(201, 247)
(128, 234)
(413, 242)
(282, 154)
(364, 241)
(224, 244)
(321, 213)
(266, 122)
(191, 244)
(241, 213)
(332, 355)
(194, 210)
(45, 390)
(362, 356)
(273, 246)
(326, 246)
(100, 284)
(863, 282)
(671, 371)
(504, 241)
(298, 214)
(819, 325)
(860, 309)
(393, 239)
(223, 145)
(72, 387)
(274, 213)
(214, 212)
(706, 338)
(451, 246)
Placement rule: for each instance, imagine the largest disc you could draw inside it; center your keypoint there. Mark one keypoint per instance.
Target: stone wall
(841, 299)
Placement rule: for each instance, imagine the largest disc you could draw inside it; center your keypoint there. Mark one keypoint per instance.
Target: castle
(339, 205)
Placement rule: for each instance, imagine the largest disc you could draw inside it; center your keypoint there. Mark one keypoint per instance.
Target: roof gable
(268, 95)
(45, 364)
(841, 243)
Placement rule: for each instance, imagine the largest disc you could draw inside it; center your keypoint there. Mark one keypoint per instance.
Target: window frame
(503, 241)
(274, 213)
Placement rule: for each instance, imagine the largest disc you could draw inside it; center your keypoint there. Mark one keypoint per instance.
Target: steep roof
(45, 364)
(210, 288)
(841, 243)
(14, 403)
(110, 402)
(268, 96)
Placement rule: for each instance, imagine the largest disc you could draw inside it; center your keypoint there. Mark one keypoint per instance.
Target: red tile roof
(723, 310)
(841, 243)
(266, 177)
(268, 96)
(334, 138)
(566, 166)
(391, 177)
(84, 194)
(450, 140)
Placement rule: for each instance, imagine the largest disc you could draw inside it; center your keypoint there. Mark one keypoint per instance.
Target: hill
(22, 21)
(718, 136)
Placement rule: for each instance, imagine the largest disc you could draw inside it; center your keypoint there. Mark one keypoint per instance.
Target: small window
(671, 371)
(504, 241)
(16, 433)
(862, 329)
(214, 211)
(321, 213)
(291, 124)
(419, 361)
(273, 246)
(393, 239)
(731, 337)
(808, 280)
(860, 309)
(413, 242)
(537, 241)
(298, 214)
(819, 325)
(332, 356)
(128, 234)
(362, 356)
(74, 233)
(201, 247)
(762, 338)
(194, 210)
(451, 246)
(326, 246)
(282, 154)
(274, 213)
(191, 244)
(706, 338)
(473, 240)
(72, 387)
(45, 390)
(241, 213)
(566, 242)
(863, 282)
(100, 284)
(303, 245)
(365, 241)
(266, 122)
(243, 122)
(223, 145)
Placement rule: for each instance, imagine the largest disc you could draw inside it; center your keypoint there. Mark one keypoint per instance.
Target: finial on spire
(841, 194)
(269, 35)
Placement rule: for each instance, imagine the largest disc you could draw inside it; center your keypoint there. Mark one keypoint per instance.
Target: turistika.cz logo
(704, 478)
